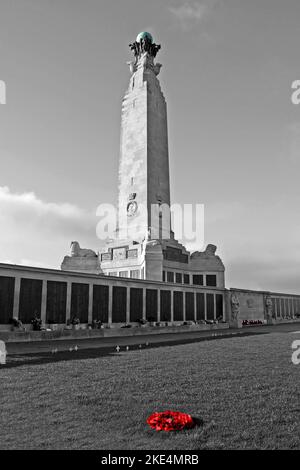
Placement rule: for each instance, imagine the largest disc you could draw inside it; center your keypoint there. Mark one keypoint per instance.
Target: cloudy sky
(234, 134)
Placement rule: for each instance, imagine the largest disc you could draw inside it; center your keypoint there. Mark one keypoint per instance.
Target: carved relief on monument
(268, 307)
(175, 254)
(131, 196)
(119, 253)
(144, 50)
(144, 44)
(132, 208)
(207, 259)
(235, 307)
(106, 257)
(210, 251)
(133, 253)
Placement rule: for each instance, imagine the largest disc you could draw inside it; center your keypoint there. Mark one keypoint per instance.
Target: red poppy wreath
(170, 421)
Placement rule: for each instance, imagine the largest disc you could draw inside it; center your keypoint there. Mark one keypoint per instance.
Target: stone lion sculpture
(210, 250)
(81, 252)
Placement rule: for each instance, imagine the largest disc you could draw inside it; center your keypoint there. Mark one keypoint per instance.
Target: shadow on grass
(198, 422)
(46, 357)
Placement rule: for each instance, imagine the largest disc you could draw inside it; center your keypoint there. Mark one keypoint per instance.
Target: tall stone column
(68, 306)
(17, 297)
(90, 311)
(127, 304)
(44, 302)
(110, 303)
(144, 303)
(172, 305)
(215, 307)
(224, 307)
(195, 306)
(276, 307)
(158, 305)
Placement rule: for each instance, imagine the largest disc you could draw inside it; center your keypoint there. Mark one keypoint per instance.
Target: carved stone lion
(76, 251)
(210, 250)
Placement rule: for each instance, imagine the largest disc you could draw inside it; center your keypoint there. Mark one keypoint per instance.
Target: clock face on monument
(131, 208)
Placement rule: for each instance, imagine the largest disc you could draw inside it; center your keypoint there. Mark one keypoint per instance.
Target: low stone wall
(23, 336)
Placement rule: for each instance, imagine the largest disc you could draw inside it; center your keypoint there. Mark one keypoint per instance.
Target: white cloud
(36, 232)
(29, 202)
(191, 13)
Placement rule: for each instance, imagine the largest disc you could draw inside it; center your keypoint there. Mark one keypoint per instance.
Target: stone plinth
(81, 264)
(236, 323)
(153, 260)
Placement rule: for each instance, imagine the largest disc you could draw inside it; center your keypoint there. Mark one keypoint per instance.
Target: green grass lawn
(246, 391)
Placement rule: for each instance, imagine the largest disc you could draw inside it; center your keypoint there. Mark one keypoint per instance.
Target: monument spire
(144, 46)
(144, 50)
(144, 156)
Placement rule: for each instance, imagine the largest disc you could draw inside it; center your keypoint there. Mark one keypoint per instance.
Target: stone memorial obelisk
(144, 180)
(144, 183)
(143, 245)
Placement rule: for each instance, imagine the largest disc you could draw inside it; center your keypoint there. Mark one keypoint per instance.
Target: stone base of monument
(81, 264)
(235, 323)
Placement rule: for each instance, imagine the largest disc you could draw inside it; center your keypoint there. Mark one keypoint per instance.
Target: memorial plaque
(200, 305)
(189, 306)
(119, 304)
(165, 305)
(7, 287)
(219, 305)
(119, 253)
(178, 306)
(100, 303)
(56, 302)
(132, 253)
(106, 257)
(151, 304)
(210, 306)
(80, 301)
(30, 299)
(136, 304)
